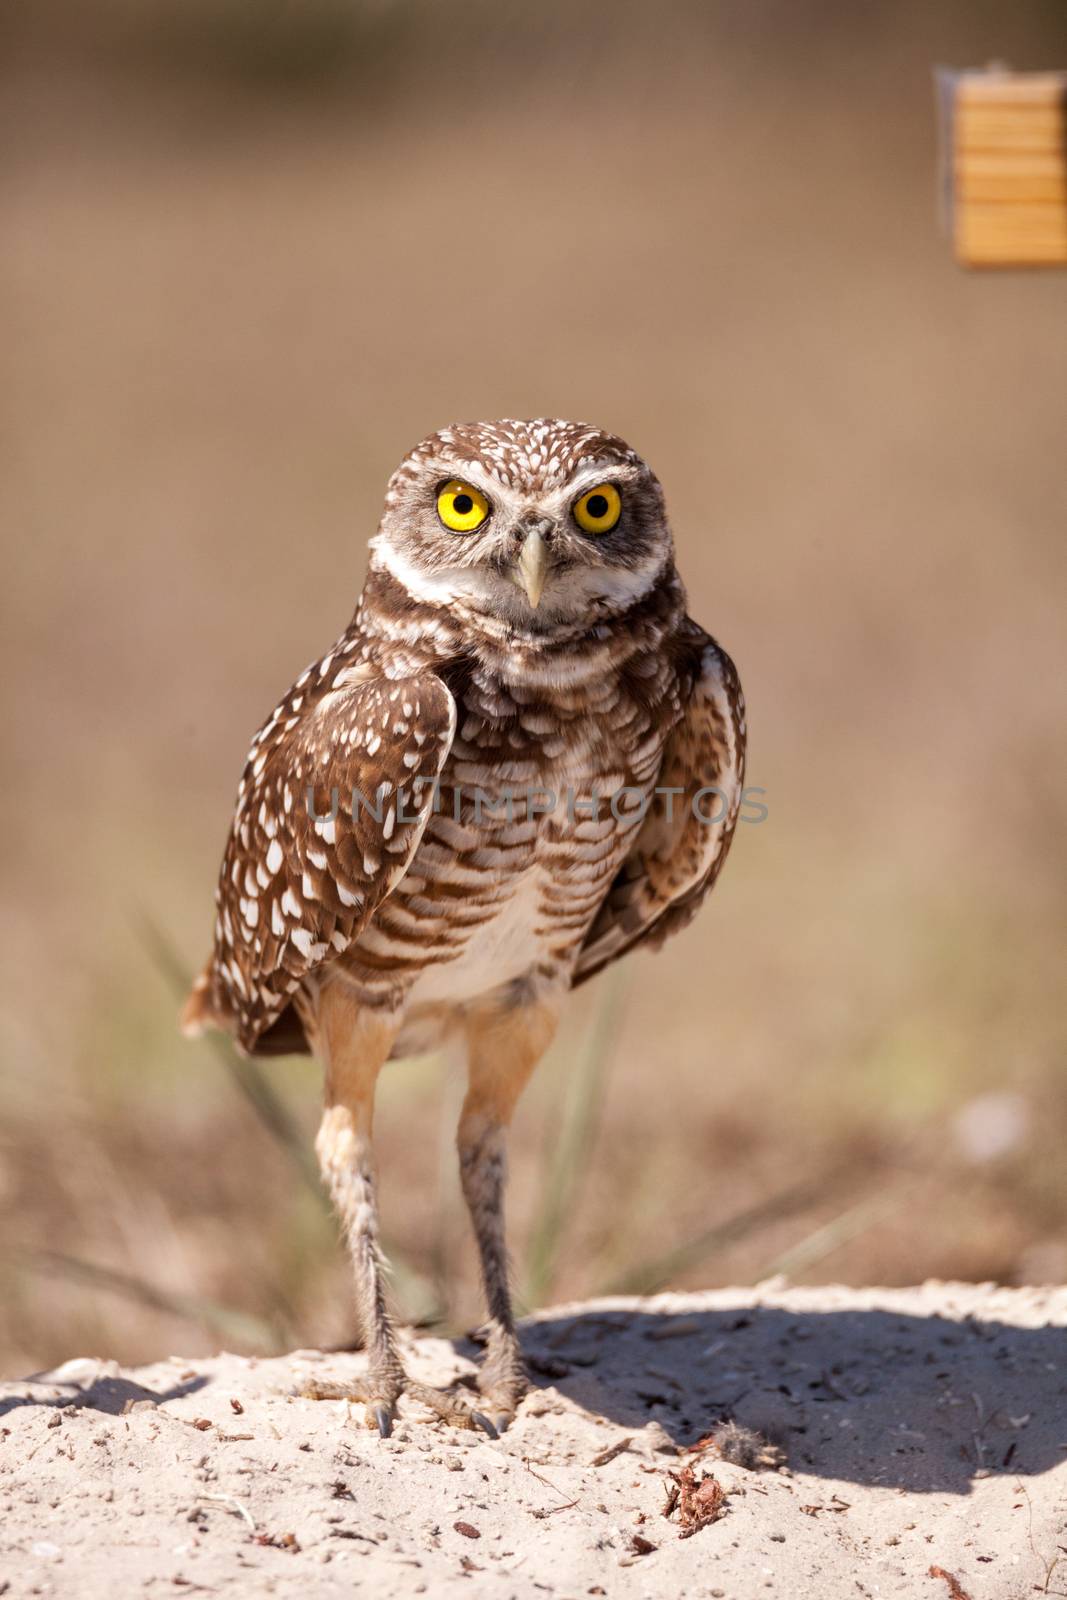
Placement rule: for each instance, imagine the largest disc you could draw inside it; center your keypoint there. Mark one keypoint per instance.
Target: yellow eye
(599, 509)
(461, 507)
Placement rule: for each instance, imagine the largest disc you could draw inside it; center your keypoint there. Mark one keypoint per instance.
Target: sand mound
(924, 1432)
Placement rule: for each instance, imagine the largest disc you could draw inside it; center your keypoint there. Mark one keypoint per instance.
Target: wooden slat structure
(1007, 178)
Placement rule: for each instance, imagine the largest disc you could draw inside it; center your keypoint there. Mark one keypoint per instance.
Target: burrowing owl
(520, 760)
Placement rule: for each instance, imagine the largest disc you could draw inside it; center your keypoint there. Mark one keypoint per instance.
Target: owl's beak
(532, 566)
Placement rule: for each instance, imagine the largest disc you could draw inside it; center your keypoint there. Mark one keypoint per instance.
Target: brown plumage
(521, 760)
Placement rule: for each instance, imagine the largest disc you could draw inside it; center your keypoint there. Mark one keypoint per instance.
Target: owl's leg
(504, 1046)
(353, 1043)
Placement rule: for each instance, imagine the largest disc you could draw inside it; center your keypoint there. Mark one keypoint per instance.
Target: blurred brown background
(253, 250)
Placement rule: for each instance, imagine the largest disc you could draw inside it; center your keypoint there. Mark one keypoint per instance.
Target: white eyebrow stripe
(558, 502)
(472, 472)
(615, 472)
(551, 501)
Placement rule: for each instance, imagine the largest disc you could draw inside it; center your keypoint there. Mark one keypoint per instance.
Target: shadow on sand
(924, 1403)
(112, 1395)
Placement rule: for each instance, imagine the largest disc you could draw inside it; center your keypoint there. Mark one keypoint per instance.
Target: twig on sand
(230, 1503)
(612, 1451)
(955, 1589)
(551, 1510)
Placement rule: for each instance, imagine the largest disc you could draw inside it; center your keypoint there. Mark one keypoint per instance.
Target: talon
(484, 1423)
(383, 1416)
(503, 1421)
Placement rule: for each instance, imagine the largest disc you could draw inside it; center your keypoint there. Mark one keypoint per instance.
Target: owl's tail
(200, 1011)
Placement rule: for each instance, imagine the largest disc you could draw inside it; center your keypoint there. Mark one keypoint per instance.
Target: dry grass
(232, 308)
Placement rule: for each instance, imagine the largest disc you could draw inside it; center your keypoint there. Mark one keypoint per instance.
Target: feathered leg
(504, 1046)
(354, 1043)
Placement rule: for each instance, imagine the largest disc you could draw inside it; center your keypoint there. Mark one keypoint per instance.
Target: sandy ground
(924, 1431)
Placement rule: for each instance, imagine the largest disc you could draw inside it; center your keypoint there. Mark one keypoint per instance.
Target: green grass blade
(223, 1320)
(584, 1097)
(248, 1076)
(659, 1271)
(822, 1241)
(415, 1291)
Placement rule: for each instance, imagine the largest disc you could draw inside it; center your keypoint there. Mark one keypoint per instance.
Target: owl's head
(532, 524)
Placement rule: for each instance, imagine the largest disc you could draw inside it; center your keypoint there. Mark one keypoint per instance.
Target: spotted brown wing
(682, 843)
(334, 799)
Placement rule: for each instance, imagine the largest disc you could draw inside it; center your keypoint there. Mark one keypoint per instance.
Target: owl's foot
(502, 1382)
(379, 1393)
(501, 1400)
(452, 1406)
